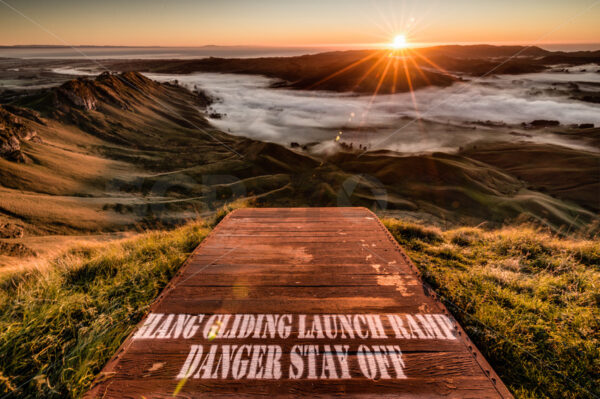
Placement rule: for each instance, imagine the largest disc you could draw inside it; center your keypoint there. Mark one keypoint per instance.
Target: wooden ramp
(317, 302)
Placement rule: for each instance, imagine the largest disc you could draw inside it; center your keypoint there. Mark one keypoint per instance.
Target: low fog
(245, 105)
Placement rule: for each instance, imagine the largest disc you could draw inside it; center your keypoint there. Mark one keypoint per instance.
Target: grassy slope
(59, 326)
(529, 300)
(112, 167)
(465, 191)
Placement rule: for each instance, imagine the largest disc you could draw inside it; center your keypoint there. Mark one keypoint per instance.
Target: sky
(296, 23)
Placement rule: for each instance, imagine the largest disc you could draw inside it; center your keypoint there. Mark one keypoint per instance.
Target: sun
(399, 42)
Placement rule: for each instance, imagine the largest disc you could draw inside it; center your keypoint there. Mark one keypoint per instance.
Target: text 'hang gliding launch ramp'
(318, 302)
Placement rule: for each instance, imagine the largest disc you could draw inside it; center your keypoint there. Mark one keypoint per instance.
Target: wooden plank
(318, 302)
(464, 387)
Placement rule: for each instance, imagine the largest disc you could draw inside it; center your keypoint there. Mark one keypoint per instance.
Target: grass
(529, 300)
(60, 324)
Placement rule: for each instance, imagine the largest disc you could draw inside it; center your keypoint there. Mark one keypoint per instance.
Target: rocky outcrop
(119, 90)
(78, 93)
(10, 230)
(9, 145)
(15, 249)
(13, 131)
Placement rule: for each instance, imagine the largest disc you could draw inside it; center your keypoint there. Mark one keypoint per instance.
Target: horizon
(349, 46)
(267, 23)
(44, 51)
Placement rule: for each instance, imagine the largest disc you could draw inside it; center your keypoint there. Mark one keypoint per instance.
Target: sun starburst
(397, 66)
(399, 42)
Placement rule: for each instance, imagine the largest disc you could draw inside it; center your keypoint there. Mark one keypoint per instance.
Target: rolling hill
(121, 152)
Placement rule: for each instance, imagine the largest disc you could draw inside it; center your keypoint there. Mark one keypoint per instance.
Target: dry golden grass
(530, 300)
(55, 213)
(48, 248)
(60, 323)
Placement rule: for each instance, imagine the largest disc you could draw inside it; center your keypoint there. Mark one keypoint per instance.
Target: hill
(358, 71)
(105, 156)
(121, 152)
(361, 71)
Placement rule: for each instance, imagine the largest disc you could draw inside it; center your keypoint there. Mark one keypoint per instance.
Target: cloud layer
(250, 108)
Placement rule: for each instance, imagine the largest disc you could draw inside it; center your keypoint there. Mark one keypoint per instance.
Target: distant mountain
(486, 50)
(361, 71)
(34, 46)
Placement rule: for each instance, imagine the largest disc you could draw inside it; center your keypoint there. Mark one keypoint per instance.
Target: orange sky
(291, 23)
